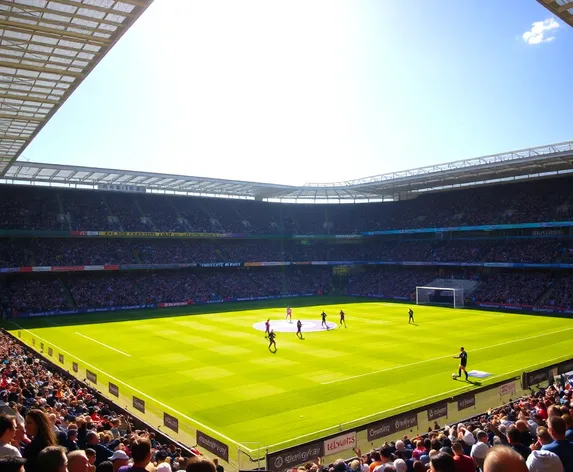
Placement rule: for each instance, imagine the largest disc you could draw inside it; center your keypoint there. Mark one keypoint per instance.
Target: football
(454, 376)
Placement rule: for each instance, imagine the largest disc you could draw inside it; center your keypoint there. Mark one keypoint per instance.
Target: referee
(463, 357)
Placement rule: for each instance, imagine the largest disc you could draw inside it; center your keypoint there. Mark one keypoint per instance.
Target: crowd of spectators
(21, 252)
(389, 283)
(531, 434)
(56, 424)
(34, 294)
(65, 209)
(519, 288)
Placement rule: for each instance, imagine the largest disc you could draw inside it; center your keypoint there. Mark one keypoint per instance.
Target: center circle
(284, 326)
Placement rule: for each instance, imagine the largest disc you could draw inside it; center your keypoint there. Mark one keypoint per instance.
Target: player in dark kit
(267, 328)
(272, 341)
(463, 357)
(410, 316)
(299, 329)
(342, 319)
(323, 316)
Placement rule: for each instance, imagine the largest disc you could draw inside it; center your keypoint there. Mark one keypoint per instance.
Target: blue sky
(318, 91)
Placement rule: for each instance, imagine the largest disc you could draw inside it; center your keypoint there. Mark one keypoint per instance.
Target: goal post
(441, 296)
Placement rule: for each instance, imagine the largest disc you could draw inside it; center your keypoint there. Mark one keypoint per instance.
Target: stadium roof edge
(526, 163)
(560, 8)
(48, 48)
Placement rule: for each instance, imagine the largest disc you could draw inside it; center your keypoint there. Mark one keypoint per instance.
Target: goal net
(441, 296)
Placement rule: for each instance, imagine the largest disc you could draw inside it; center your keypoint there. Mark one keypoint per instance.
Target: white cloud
(541, 32)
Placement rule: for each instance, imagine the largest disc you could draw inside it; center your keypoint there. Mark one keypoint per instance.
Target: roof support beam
(41, 70)
(21, 118)
(565, 7)
(101, 9)
(33, 8)
(27, 98)
(54, 33)
(64, 24)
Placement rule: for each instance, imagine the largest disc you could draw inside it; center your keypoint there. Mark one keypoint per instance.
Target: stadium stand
(49, 229)
(85, 210)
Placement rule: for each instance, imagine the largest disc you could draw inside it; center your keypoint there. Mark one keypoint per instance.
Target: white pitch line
(441, 357)
(167, 407)
(443, 394)
(102, 344)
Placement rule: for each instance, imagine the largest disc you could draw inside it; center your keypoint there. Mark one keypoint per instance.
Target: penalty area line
(161, 404)
(442, 357)
(102, 344)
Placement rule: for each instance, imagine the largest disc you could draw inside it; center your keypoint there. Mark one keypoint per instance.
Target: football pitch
(214, 370)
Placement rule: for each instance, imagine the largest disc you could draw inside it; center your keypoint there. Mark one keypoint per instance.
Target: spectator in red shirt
(463, 463)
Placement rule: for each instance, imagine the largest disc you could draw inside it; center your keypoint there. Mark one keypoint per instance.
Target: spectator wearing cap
(560, 445)
(12, 464)
(544, 461)
(7, 433)
(119, 459)
(163, 462)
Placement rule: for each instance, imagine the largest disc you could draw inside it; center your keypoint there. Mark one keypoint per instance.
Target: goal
(441, 296)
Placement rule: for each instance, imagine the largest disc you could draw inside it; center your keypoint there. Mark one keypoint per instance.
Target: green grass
(216, 369)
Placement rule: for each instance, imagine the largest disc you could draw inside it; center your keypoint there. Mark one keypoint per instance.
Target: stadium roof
(527, 163)
(561, 8)
(47, 48)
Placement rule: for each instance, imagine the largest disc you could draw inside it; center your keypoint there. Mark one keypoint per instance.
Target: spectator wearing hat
(544, 461)
(119, 459)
